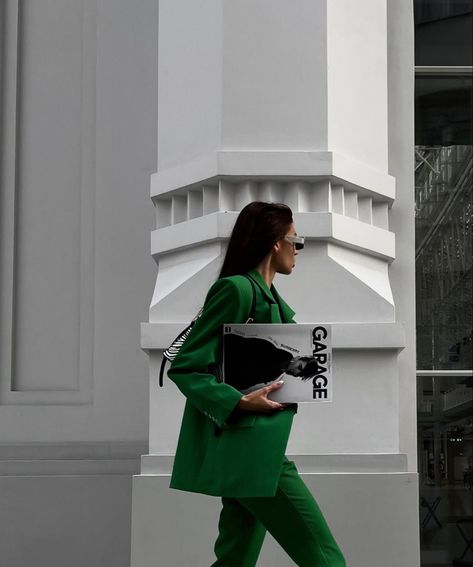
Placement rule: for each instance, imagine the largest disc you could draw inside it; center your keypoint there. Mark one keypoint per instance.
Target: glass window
(444, 214)
(430, 10)
(443, 110)
(445, 441)
(444, 294)
(443, 32)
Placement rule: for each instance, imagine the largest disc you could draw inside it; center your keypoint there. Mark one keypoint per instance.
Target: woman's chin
(286, 270)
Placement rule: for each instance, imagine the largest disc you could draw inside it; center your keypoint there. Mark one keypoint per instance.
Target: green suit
(221, 452)
(240, 456)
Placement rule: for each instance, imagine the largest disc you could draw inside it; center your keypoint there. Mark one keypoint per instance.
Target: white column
(284, 101)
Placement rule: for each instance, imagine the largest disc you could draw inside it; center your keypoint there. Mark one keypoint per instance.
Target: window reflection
(443, 32)
(444, 292)
(444, 235)
(430, 10)
(445, 435)
(443, 110)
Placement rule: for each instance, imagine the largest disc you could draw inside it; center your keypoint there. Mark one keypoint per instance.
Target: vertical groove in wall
(3, 81)
(210, 200)
(226, 195)
(321, 200)
(12, 59)
(7, 194)
(338, 199)
(163, 212)
(82, 253)
(85, 375)
(380, 215)
(351, 204)
(195, 204)
(245, 193)
(179, 208)
(15, 188)
(365, 211)
(272, 191)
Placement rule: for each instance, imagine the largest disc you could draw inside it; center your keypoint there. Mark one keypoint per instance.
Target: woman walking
(232, 445)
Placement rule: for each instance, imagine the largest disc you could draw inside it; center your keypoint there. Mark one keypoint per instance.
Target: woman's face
(284, 253)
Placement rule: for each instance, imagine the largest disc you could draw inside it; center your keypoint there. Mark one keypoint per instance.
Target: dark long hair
(258, 227)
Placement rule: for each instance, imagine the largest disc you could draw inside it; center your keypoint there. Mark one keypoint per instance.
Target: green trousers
(292, 517)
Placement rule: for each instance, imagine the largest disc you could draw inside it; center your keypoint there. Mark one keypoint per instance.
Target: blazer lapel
(286, 311)
(258, 279)
(280, 310)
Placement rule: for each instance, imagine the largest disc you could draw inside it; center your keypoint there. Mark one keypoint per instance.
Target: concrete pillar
(285, 101)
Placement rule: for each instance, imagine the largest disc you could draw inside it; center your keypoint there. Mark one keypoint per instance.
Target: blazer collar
(287, 312)
(258, 278)
(272, 295)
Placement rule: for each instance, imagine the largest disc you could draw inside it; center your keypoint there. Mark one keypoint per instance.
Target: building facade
(356, 114)
(310, 104)
(77, 147)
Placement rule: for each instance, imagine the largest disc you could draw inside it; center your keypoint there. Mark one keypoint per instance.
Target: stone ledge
(281, 165)
(72, 450)
(307, 464)
(69, 467)
(38, 459)
(156, 336)
(321, 226)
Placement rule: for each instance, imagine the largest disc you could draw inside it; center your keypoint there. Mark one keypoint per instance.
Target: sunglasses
(296, 241)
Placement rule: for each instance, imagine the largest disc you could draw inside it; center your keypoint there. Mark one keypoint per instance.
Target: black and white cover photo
(256, 355)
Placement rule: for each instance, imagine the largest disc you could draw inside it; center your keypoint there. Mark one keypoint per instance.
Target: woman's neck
(267, 271)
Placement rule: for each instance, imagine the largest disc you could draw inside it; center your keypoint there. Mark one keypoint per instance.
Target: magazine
(256, 355)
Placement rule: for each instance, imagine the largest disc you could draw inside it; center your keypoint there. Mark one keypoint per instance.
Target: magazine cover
(256, 355)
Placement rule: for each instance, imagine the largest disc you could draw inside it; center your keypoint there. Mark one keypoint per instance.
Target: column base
(373, 515)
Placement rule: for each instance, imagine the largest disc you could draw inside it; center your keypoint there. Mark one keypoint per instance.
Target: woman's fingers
(271, 388)
(275, 405)
(263, 393)
(274, 386)
(259, 401)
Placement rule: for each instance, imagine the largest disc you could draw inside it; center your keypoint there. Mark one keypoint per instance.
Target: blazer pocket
(241, 420)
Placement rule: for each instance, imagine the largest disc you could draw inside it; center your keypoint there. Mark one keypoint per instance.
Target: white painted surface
(309, 463)
(78, 145)
(371, 516)
(357, 80)
(65, 521)
(299, 114)
(401, 151)
(365, 377)
(189, 79)
(328, 227)
(275, 164)
(76, 275)
(274, 75)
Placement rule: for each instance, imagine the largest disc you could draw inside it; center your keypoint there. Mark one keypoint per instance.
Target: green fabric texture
(292, 517)
(220, 453)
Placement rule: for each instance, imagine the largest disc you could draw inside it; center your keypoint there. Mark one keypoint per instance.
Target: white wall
(274, 96)
(357, 81)
(80, 103)
(78, 132)
(369, 535)
(294, 107)
(401, 164)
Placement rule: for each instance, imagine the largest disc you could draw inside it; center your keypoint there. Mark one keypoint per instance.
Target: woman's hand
(259, 401)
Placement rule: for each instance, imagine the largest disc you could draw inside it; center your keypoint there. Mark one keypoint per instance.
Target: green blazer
(220, 451)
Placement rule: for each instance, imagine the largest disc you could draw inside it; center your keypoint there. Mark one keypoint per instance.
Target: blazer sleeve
(225, 303)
